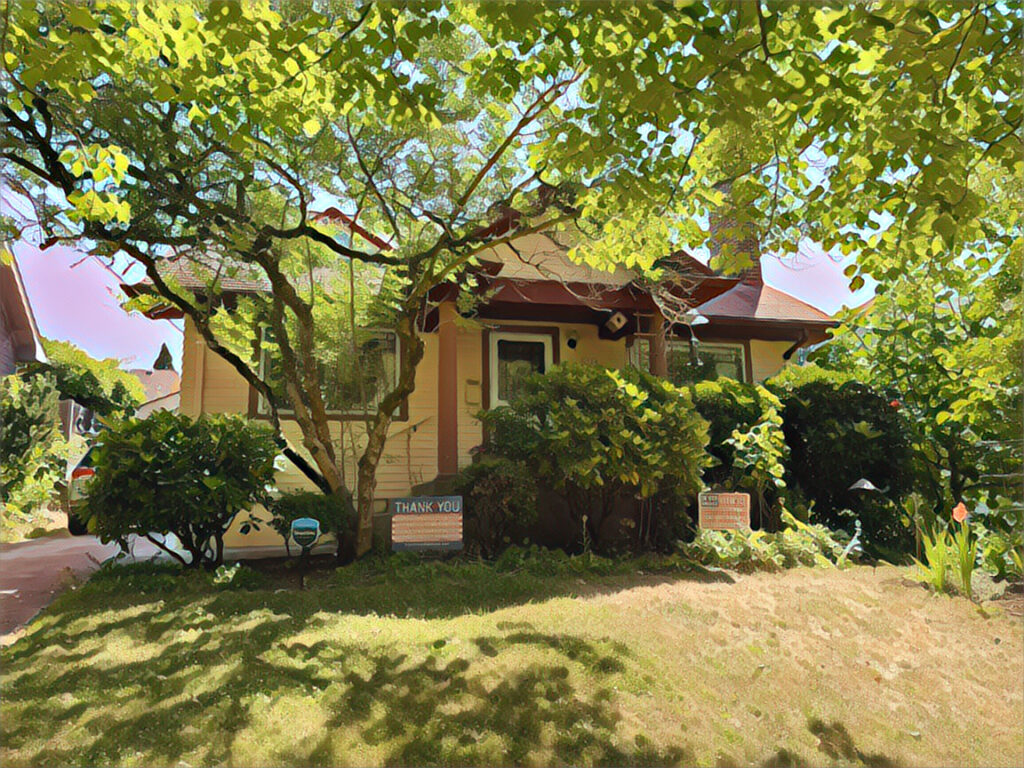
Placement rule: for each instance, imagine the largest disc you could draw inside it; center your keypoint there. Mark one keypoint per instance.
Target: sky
(77, 299)
(74, 298)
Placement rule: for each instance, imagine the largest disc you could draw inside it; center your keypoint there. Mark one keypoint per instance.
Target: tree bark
(410, 354)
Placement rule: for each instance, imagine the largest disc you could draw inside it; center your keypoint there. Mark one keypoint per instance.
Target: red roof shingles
(754, 301)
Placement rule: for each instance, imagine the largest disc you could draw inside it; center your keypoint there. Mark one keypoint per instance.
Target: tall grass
(934, 571)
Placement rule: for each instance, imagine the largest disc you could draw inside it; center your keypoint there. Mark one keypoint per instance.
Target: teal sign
(305, 532)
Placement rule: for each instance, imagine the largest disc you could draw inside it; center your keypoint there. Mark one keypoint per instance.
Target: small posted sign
(724, 511)
(426, 523)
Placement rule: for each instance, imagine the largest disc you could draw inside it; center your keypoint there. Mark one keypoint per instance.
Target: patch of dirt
(1012, 600)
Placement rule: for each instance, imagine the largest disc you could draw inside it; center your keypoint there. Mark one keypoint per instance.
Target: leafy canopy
(101, 385)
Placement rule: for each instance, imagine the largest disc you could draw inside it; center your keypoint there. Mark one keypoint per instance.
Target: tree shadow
(506, 697)
(835, 741)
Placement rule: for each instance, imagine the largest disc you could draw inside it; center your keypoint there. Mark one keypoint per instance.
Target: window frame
(684, 344)
(541, 335)
(259, 408)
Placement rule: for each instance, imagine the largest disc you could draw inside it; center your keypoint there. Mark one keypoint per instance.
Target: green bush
(601, 437)
(100, 385)
(1000, 524)
(500, 497)
(747, 442)
(839, 432)
(333, 512)
(798, 544)
(172, 474)
(33, 453)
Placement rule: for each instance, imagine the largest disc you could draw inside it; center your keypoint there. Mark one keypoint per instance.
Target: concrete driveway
(33, 572)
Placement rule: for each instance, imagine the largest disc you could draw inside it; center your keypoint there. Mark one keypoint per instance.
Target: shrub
(747, 441)
(839, 432)
(33, 454)
(600, 436)
(727, 405)
(798, 544)
(999, 522)
(501, 498)
(333, 512)
(170, 473)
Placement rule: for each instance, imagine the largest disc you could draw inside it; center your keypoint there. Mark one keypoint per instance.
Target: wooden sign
(426, 523)
(724, 511)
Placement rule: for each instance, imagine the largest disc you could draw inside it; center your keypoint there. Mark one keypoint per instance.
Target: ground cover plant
(530, 660)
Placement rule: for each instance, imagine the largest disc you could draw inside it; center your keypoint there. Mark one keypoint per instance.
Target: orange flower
(960, 512)
(894, 403)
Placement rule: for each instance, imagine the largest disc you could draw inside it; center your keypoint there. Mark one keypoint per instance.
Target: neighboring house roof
(231, 277)
(756, 301)
(193, 275)
(169, 402)
(19, 323)
(157, 383)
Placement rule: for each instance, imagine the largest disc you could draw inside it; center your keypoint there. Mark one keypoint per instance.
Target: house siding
(766, 358)
(210, 385)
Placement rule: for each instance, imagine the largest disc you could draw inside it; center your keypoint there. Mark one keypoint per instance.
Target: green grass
(534, 664)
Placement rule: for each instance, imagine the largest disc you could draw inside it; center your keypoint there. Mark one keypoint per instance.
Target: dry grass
(812, 667)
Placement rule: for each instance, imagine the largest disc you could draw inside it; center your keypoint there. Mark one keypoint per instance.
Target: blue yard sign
(305, 532)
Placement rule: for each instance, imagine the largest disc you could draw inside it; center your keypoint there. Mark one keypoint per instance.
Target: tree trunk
(410, 354)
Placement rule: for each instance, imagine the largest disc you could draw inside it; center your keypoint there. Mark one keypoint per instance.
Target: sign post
(723, 511)
(305, 532)
(424, 523)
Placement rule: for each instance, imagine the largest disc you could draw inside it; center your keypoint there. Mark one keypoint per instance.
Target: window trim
(680, 343)
(549, 333)
(258, 408)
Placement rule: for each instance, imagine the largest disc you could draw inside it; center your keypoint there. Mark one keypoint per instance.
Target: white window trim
(263, 407)
(634, 353)
(701, 345)
(543, 338)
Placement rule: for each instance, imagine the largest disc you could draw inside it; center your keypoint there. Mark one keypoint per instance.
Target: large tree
(210, 132)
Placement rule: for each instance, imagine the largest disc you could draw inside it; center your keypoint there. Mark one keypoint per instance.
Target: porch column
(659, 347)
(447, 391)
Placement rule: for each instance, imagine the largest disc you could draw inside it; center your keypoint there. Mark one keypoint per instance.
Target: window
(514, 356)
(352, 385)
(697, 363)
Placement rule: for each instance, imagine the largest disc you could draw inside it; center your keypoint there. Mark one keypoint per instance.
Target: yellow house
(542, 309)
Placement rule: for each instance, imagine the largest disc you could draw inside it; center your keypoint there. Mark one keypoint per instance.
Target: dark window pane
(699, 363)
(516, 361)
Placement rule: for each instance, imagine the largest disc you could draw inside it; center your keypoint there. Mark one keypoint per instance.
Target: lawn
(462, 665)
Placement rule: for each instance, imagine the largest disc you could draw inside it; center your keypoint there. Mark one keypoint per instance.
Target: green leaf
(311, 127)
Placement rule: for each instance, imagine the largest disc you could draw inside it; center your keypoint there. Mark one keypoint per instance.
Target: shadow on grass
(212, 664)
(835, 741)
(198, 695)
